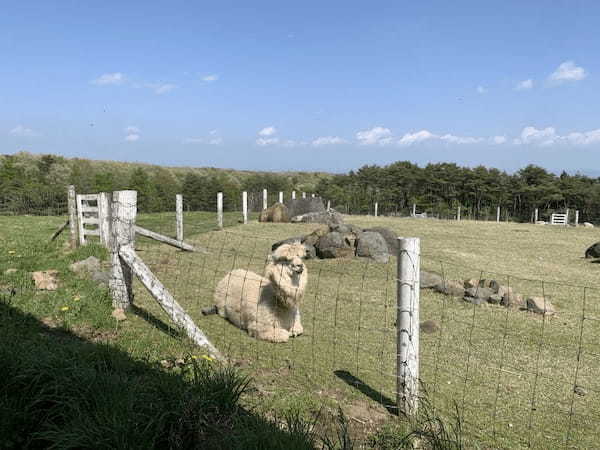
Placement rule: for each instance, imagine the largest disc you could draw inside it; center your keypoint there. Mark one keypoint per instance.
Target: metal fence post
(407, 325)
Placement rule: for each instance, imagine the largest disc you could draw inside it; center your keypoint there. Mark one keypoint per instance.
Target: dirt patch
(91, 334)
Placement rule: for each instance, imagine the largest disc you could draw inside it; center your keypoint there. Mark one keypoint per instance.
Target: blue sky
(304, 85)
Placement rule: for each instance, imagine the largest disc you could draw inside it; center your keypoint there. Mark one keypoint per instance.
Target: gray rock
(334, 245)
(451, 287)
(540, 305)
(593, 251)
(474, 300)
(495, 299)
(100, 276)
(588, 225)
(390, 237)
(311, 251)
(300, 206)
(372, 245)
(86, 265)
(429, 280)
(328, 217)
(512, 300)
(483, 293)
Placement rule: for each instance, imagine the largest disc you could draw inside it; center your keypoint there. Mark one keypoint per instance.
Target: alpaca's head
(287, 272)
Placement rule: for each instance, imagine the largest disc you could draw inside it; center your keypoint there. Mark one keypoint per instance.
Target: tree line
(441, 188)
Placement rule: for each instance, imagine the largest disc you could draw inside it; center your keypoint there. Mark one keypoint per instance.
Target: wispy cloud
(413, 138)
(481, 89)
(524, 85)
(327, 140)
(214, 139)
(132, 133)
(23, 131)
(105, 79)
(210, 78)
(267, 131)
(498, 140)
(567, 72)
(545, 137)
(263, 142)
(426, 135)
(159, 88)
(374, 136)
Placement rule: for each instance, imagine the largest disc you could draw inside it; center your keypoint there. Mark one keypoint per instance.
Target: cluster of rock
(301, 210)
(339, 240)
(479, 292)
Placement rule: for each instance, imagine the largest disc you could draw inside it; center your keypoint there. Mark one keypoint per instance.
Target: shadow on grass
(156, 322)
(367, 390)
(61, 391)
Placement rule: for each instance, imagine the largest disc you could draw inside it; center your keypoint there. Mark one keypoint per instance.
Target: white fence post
(179, 216)
(407, 325)
(265, 199)
(293, 195)
(535, 216)
(576, 217)
(104, 218)
(280, 197)
(124, 210)
(376, 205)
(220, 210)
(458, 213)
(498, 214)
(414, 212)
(567, 217)
(71, 202)
(312, 195)
(328, 205)
(245, 206)
(304, 195)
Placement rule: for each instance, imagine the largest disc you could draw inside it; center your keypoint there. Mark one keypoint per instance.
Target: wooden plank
(72, 206)
(91, 221)
(80, 220)
(88, 209)
(91, 232)
(167, 240)
(166, 300)
(88, 196)
(179, 216)
(104, 217)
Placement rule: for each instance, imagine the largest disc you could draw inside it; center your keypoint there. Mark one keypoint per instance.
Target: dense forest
(29, 184)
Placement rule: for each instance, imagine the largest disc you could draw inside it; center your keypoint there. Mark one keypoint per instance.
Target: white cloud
(542, 137)
(109, 78)
(587, 137)
(216, 141)
(498, 140)
(460, 139)
(425, 135)
(419, 136)
(377, 135)
(327, 140)
(524, 85)
(160, 88)
(481, 89)
(22, 131)
(263, 142)
(568, 71)
(132, 137)
(210, 78)
(132, 130)
(212, 132)
(192, 140)
(267, 131)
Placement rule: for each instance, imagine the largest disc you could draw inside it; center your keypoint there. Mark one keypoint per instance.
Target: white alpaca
(267, 307)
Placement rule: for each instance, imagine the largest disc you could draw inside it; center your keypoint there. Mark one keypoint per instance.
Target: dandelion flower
(208, 358)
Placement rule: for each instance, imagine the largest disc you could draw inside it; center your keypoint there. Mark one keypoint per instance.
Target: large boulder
(588, 225)
(429, 280)
(390, 237)
(593, 251)
(372, 245)
(300, 206)
(334, 245)
(328, 217)
(277, 213)
(451, 287)
(90, 264)
(540, 305)
(313, 238)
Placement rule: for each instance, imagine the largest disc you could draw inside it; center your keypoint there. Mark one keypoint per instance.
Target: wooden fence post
(567, 216)
(293, 195)
(220, 210)
(376, 205)
(535, 216)
(414, 212)
(179, 216)
(498, 214)
(280, 197)
(245, 206)
(576, 217)
(124, 210)
(458, 213)
(312, 195)
(104, 218)
(265, 199)
(407, 328)
(328, 205)
(71, 203)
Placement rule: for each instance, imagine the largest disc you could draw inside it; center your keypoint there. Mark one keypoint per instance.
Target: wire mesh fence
(518, 379)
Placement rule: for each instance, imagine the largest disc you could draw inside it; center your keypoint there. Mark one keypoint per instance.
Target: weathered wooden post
(179, 216)
(567, 216)
(498, 214)
(245, 206)
(376, 205)
(576, 217)
(104, 218)
(280, 197)
(328, 205)
(265, 199)
(293, 195)
(124, 210)
(220, 210)
(458, 213)
(407, 329)
(535, 216)
(71, 203)
(414, 211)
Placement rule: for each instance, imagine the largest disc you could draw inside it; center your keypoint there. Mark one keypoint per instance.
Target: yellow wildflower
(12, 252)
(64, 308)
(208, 358)
(77, 298)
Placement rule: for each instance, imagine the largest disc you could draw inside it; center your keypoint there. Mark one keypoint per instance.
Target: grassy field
(512, 374)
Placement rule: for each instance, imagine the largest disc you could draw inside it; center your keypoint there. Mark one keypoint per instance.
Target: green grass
(511, 373)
